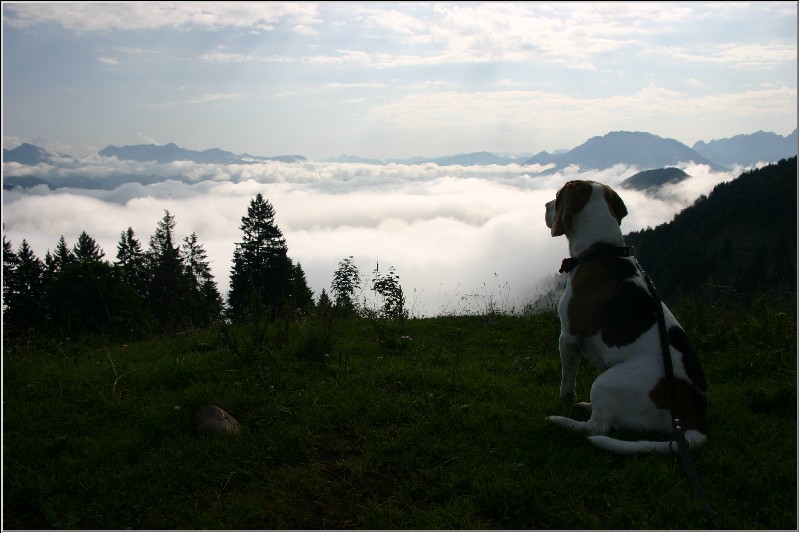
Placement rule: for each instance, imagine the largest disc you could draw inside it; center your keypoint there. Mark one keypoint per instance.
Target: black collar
(568, 264)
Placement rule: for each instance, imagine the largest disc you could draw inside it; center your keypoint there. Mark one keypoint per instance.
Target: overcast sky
(385, 79)
(381, 80)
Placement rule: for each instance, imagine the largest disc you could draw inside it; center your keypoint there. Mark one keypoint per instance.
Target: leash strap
(678, 435)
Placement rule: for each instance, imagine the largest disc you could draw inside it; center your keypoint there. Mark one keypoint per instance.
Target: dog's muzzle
(549, 213)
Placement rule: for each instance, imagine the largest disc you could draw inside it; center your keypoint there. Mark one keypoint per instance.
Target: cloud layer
(459, 237)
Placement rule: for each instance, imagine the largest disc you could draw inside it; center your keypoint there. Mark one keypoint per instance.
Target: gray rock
(211, 420)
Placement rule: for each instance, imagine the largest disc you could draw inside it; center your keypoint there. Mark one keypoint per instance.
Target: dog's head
(572, 198)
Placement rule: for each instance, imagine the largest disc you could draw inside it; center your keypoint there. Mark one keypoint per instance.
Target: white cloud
(744, 56)
(452, 233)
(92, 17)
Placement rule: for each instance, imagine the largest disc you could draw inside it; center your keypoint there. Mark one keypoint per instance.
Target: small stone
(211, 420)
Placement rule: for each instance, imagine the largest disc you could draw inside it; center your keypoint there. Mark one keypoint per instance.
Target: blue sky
(385, 79)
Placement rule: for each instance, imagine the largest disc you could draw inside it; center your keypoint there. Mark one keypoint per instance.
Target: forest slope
(742, 236)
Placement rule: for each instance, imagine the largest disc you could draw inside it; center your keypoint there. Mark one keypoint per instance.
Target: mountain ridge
(640, 149)
(171, 152)
(748, 150)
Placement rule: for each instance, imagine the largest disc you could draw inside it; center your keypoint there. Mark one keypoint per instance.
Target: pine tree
(209, 302)
(132, 261)
(87, 250)
(168, 283)
(302, 295)
(262, 271)
(24, 289)
(324, 300)
(10, 263)
(56, 262)
(63, 256)
(92, 297)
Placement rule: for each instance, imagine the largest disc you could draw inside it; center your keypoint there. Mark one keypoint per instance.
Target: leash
(678, 435)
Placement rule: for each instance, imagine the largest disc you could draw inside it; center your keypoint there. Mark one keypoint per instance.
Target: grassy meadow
(434, 423)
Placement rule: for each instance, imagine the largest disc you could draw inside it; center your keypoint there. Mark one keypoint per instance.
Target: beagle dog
(608, 314)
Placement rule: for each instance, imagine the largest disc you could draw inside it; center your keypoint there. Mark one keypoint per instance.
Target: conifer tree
(324, 300)
(168, 284)
(132, 261)
(302, 295)
(24, 288)
(87, 250)
(57, 261)
(10, 262)
(62, 256)
(195, 259)
(262, 271)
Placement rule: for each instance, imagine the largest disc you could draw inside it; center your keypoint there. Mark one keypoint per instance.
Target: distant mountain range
(635, 148)
(643, 150)
(29, 154)
(748, 150)
(466, 160)
(172, 152)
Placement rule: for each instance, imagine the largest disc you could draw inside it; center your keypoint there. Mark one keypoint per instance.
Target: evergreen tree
(92, 297)
(302, 295)
(86, 250)
(63, 256)
(56, 262)
(24, 289)
(208, 306)
(50, 267)
(168, 283)
(132, 261)
(10, 263)
(324, 300)
(195, 259)
(262, 270)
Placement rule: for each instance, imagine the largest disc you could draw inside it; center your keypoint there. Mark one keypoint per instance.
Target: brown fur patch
(615, 203)
(605, 299)
(570, 199)
(691, 403)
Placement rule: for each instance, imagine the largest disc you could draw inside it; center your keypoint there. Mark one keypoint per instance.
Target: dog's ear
(570, 199)
(615, 204)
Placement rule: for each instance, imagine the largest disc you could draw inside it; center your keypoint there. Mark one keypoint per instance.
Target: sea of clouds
(461, 238)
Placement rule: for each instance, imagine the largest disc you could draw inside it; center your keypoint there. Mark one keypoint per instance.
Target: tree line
(167, 286)
(742, 237)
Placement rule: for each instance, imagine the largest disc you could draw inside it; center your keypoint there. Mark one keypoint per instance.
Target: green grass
(441, 426)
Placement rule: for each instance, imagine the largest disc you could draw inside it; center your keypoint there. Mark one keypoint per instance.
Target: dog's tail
(626, 447)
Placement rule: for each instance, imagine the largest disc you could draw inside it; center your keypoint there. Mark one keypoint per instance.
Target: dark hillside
(743, 236)
(652, 179)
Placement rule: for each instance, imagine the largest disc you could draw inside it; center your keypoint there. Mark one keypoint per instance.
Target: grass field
(435, 423)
